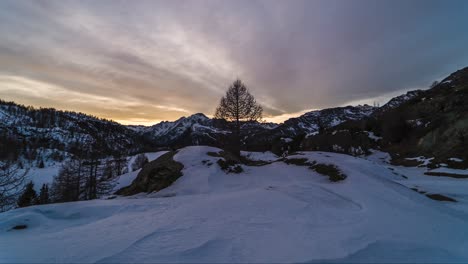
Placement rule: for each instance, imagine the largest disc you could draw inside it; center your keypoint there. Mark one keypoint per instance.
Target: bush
(229, 166)
(333, 173)
(299, 162)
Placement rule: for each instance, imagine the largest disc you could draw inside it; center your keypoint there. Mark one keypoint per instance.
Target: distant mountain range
(31, 134)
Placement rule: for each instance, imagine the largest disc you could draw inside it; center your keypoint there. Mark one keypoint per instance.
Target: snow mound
(271, 213)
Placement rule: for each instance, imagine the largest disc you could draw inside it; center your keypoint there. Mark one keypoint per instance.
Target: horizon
(282, 118)
(150, 61)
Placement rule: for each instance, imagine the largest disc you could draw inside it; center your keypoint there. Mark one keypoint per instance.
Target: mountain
(198, 129)
(193, 130)
(312, 122)
(432, 123)
(48, 134)
(35, 134)
(399, 100)
(429, 122)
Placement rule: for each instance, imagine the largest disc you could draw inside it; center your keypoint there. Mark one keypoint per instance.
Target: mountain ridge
(26, 131)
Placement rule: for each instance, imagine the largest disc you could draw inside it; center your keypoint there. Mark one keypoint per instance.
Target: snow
(372, 136)
(456, 159)
(424, 161)
(260, 156)
(40, 176)
(449, 170)
(271, 213)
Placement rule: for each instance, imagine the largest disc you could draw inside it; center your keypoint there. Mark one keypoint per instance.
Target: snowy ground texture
(272, 213)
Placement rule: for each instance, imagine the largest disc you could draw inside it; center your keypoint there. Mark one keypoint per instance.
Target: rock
(155, 175)
(19, 227)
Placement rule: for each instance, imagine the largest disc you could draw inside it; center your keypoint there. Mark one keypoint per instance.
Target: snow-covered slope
(271, 213)
(397, 101)
(313, 121)
(46, 134)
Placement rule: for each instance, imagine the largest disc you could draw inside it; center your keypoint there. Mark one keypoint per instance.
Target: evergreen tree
(28, 197)
(40, 164)
(44, 195)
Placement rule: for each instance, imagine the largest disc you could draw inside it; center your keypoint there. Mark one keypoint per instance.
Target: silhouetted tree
(40, 164)
(11, 181)
(67, 184)
(28, 197)
(434, 84)
(44, 195)
(236, 106)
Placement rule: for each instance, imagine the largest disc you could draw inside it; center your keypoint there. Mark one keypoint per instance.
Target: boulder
(155, 175)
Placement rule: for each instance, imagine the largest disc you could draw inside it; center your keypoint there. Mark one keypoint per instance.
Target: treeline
(86, 179)
(77, 180)
(25, 131)
(46, 117)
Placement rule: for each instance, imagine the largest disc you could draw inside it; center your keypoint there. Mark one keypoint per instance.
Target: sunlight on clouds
(42, 94)
(284, 117)
(20, 86)
(169, 46)
(381, 99)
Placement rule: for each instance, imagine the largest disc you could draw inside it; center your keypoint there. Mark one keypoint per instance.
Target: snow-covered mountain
(311, 122)
(198, 129)
(430, 123)
(397, 101)
(26, 132)
(48, 134)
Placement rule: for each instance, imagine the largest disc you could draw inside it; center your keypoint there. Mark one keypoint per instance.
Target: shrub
(299, 162)
(333, 173)
(229, 166)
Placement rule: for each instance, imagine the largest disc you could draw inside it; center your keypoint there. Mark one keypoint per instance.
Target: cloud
(158, 60)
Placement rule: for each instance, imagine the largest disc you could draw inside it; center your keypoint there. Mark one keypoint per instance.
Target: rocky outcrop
(155, 176)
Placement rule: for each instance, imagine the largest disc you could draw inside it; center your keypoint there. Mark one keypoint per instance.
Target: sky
(141, 62)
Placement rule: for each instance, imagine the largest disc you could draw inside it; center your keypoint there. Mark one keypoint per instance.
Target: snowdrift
(271, 213)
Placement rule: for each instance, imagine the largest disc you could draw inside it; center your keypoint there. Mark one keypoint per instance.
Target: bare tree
(237, 106)
(11, 184)
(67, 184)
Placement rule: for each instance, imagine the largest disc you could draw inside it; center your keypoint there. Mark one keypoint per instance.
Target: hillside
(33, 135)
(430, 123)
(271, 213)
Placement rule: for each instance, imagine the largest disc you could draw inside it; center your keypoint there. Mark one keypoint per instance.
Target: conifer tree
(44, 195)
(28, 197)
